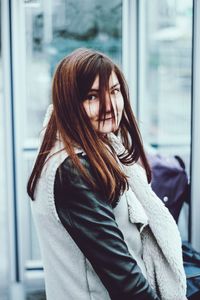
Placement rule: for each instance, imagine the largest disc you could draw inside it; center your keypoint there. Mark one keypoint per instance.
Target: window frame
(194, 219)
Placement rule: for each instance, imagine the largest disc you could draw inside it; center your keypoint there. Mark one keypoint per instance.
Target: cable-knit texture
(162, 252)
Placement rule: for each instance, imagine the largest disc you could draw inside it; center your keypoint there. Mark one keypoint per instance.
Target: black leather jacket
(90, 221)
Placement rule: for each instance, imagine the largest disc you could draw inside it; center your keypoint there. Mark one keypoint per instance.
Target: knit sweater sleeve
(89, 219)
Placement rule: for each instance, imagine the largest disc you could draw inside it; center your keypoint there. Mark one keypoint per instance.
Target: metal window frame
(18, 53)
(30, 278)
(15, 271)
(130, 49)
(195, 161)
(8, 141)
(13, 64)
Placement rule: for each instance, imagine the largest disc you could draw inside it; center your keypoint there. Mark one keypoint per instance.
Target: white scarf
(162, 252)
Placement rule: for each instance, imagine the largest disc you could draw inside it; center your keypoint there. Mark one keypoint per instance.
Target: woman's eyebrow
(96, 89)
(93, 90)
(116, 84)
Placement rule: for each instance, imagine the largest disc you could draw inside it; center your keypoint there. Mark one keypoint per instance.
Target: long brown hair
(72, 81)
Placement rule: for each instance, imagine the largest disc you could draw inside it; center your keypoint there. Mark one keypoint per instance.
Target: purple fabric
(169, 181)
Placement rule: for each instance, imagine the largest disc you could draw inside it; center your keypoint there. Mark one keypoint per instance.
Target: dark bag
(170, 181)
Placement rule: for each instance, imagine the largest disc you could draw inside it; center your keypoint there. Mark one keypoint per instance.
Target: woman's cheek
(94, 110)
(120, 104)
(91, 109)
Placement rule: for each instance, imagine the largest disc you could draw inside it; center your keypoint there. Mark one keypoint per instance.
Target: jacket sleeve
(90, 221)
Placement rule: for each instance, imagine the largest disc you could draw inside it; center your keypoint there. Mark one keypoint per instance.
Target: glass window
(165, 70)
(166, 65)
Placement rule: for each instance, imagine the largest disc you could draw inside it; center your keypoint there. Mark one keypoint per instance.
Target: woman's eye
(91, 97)
(115, 91)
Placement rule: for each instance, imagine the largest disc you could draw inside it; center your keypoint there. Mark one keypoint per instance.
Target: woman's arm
(90, 221)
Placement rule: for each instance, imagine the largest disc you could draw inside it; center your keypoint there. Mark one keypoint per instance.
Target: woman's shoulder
(68, 172)
(68, 166)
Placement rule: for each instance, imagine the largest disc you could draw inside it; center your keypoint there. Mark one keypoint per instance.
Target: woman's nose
(110, 103)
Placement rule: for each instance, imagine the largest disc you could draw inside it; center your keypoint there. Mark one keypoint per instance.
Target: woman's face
(113, 99)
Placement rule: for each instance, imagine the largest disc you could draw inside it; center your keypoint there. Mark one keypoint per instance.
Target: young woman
(103, 232)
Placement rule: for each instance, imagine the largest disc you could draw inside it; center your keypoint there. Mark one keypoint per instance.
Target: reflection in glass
(54, 29)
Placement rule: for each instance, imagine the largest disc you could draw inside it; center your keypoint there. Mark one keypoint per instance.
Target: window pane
(165, 103)
(54, 29)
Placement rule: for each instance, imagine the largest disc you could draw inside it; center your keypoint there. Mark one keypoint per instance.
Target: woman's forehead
(113, 80)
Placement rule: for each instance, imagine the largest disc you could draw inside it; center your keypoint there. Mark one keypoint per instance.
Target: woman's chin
(106, 130)
(107, 127)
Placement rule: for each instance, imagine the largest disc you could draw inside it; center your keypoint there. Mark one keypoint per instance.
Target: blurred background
(154, 42)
